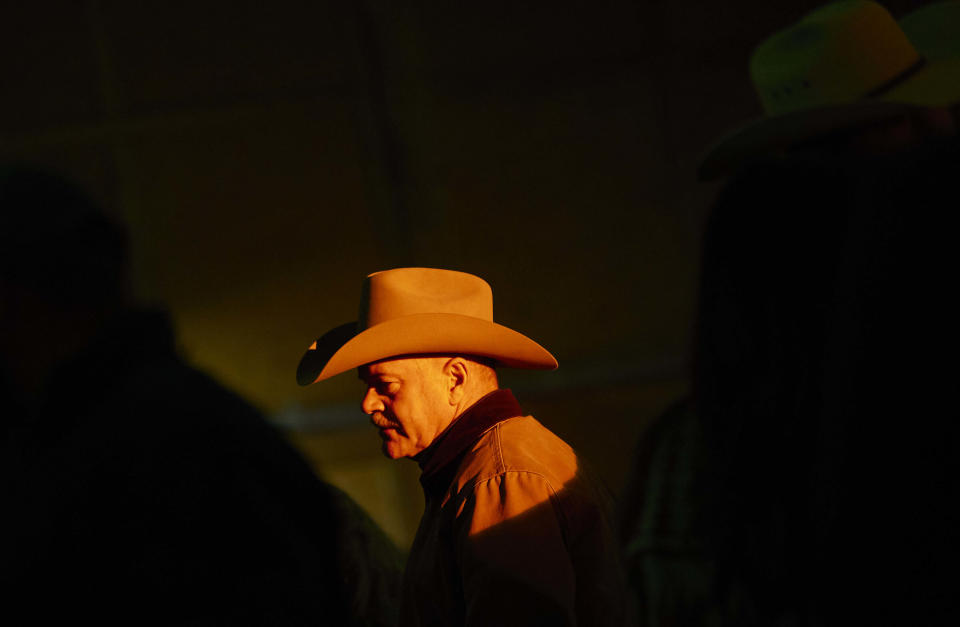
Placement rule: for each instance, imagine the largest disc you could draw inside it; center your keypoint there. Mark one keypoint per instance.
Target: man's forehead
(396, 366)
(384, 367)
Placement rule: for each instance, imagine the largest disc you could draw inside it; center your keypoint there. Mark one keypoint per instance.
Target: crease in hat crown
(400, 292)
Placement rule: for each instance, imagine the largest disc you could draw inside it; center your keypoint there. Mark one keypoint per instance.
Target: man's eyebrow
(370, 376)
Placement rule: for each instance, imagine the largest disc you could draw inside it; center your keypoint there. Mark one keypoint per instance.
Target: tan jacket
(515, 531)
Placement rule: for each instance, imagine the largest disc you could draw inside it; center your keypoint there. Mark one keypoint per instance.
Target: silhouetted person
(663, 522)
(821, 318)
(768, 499)
(137, 490)
(767, 299)
(719, 519)
(889, 437)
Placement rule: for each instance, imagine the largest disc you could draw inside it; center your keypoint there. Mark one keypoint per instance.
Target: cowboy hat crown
(409, 311)
(837, 54)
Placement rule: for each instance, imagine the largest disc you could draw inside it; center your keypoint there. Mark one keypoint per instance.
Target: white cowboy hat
(844, 65)
(408, 311)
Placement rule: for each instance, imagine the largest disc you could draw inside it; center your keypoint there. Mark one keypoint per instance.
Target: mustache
(380, 421)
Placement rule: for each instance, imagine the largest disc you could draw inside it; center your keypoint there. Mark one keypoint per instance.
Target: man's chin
(393, 446)
(392, 451)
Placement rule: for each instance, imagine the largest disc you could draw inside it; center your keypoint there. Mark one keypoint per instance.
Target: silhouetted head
(55, 242)
(62, 272)
(771, 248)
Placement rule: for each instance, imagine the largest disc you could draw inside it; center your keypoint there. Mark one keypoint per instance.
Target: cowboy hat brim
(344, 348)
(937, 84)
(780, 131)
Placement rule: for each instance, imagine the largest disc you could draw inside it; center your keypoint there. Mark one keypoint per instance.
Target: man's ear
(456, 377)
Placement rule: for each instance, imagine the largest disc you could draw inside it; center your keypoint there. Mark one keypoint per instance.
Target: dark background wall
(268, 155)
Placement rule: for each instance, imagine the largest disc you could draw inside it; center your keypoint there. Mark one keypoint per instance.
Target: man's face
(408, 401)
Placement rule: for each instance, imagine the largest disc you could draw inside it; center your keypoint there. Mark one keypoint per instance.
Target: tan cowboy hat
(844, 65)
(409, 311)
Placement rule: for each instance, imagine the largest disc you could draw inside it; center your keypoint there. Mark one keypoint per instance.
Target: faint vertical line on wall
(125, 192)
(682, 196)
(662, 66)
(386, 168)
(106, 77)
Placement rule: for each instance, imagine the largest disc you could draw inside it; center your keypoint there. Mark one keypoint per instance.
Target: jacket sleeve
(512, 555)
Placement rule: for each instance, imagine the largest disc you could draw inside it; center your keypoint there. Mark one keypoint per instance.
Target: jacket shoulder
(518, 445)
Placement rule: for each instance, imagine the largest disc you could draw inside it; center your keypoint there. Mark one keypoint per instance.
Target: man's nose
(371, 402)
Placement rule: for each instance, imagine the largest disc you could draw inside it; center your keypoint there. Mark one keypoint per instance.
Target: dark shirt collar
(439, 461)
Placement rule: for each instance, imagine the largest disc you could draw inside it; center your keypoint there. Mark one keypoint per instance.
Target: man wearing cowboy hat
(514, 531)
(853, 159)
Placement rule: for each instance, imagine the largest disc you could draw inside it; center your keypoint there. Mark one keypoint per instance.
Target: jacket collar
(439, 461)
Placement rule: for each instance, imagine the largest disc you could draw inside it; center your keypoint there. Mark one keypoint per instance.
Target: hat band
(896, 80)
